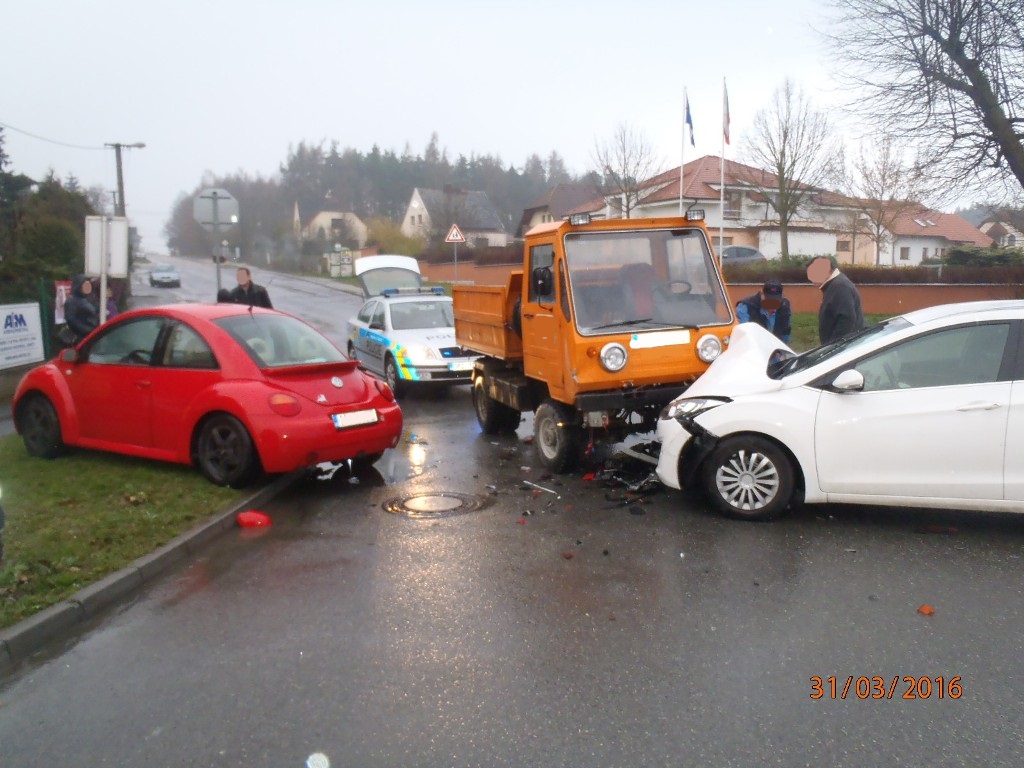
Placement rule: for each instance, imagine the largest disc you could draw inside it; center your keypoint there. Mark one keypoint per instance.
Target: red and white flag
(725, 112)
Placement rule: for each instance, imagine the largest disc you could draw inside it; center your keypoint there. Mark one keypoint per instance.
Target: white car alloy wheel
(749, 477)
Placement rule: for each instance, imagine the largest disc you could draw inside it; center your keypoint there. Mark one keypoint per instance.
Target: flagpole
(682, 151)
(721, 168)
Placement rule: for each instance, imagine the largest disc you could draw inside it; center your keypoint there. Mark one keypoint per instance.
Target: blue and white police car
(404, 332)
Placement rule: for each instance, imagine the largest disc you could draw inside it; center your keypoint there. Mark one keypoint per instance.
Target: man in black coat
(840, 312)
(247, 292)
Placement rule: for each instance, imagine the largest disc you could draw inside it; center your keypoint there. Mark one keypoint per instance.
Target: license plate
(462, 365)
(354, 418)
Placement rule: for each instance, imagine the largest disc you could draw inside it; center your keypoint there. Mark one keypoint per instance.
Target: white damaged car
(404, 332)
(922, 410)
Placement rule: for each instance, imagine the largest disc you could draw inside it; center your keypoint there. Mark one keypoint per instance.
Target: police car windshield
(409, 315)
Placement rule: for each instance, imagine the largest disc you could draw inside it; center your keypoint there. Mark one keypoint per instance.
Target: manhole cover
(431, 505)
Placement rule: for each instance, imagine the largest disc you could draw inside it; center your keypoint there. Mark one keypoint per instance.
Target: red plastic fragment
(250, 518)
(926, 610)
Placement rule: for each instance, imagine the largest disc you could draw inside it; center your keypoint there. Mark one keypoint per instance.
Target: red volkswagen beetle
(235, 390)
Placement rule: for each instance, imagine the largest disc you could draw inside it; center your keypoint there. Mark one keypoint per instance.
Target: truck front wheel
(557, 437)
(494, 417)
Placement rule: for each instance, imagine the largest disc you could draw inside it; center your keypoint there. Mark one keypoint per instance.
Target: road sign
(106, 246)
(215, 209)
(455, 235)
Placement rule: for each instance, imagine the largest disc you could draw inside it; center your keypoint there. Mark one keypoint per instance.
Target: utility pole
(119, 206)
(119, 210)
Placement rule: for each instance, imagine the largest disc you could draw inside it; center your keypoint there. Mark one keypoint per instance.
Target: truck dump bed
(483, 318)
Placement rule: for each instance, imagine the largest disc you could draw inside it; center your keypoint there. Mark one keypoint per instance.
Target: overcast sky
(228, 86)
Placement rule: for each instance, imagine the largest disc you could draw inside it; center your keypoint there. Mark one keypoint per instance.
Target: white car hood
(742, 368)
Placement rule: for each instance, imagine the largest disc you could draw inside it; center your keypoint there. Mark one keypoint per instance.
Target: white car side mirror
(849, 380)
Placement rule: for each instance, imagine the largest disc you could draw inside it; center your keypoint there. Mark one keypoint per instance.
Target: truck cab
(607, 322)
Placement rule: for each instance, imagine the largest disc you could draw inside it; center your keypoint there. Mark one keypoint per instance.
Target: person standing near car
(81, 312)
(247, 292)
(840, 311)
(768, 309)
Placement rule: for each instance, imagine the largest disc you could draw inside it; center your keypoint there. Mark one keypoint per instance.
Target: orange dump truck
(606, 323)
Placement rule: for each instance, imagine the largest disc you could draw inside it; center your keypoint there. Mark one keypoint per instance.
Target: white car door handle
(990, 406)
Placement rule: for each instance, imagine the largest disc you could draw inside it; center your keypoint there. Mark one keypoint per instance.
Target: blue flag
(689, 120)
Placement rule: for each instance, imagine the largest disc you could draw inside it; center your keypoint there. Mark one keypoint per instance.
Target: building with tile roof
(826, 222)
(432, 212)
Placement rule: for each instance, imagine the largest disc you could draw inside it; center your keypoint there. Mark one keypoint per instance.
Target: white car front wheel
(748, 477)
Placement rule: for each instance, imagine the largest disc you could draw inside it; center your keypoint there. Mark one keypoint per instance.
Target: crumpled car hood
(743, 367)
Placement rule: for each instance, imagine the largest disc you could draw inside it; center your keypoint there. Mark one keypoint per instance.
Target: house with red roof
(735, 200)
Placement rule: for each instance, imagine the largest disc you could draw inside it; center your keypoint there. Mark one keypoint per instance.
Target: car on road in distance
(921, 410)
(164, 276)
(404, 332)
(741, 254)
(234, 390)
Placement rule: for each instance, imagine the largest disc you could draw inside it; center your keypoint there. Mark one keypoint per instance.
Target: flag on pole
(725, 111)
(689, 119)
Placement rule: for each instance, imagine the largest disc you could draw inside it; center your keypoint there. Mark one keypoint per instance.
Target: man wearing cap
(768, 309)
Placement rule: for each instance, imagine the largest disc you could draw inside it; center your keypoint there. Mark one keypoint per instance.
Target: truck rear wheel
(494, 417)
(557, 437)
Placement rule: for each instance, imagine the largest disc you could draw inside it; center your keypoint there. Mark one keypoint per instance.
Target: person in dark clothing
(224, 296)
(768, 309)
(247, 292)
(80, 310)
(840, 312)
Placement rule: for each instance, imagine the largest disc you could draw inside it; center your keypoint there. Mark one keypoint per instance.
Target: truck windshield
(661, 278)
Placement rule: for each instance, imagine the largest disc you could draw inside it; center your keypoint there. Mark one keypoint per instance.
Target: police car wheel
(391, 376)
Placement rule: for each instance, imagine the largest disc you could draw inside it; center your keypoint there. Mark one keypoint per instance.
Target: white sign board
(455, 235)
(106, 245)
(215, 210)
(21, 335)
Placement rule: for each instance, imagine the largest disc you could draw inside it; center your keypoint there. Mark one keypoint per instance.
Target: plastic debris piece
(250, 518)
(539, 487)
(590, 476)
(568, 555)
(925, 610)
(521, 521)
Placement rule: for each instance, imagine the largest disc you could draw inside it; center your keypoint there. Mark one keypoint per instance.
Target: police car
(404, 332)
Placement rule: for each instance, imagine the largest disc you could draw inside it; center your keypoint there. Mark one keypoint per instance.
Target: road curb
(22, 640)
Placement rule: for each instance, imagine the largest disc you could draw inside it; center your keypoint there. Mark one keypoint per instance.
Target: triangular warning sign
(455, 235)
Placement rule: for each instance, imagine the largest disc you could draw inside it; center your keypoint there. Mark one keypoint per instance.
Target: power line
(43, 138)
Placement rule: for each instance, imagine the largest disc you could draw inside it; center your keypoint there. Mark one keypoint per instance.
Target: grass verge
(73, 520)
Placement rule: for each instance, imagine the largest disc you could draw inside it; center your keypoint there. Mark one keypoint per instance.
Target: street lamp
(119, 208)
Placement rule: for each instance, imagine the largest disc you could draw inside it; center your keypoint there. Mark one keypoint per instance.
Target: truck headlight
(614, 357)
(709, 347)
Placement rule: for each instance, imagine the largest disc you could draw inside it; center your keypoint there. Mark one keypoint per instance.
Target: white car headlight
(614, 357)
(688, 408)
(709, 347)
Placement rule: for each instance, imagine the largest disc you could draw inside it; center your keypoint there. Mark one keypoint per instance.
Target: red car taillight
(284, 405)
(385, 390)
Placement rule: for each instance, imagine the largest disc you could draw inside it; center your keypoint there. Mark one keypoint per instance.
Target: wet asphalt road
(520, 627)
(587, 633)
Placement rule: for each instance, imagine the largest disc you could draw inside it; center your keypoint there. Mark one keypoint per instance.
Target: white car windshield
(783, 368)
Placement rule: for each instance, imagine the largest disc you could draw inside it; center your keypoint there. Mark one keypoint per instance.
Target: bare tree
(883, 187)
(947, 75)
(793, 146)
(623, 164)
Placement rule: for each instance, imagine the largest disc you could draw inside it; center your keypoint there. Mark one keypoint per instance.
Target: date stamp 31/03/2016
(878, 687)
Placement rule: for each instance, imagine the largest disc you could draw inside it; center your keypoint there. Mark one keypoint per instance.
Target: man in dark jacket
(80, 311)
(768, 309)
(840, 312)
(247, 292)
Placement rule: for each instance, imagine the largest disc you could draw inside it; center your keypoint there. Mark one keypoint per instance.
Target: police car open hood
(379, 273)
